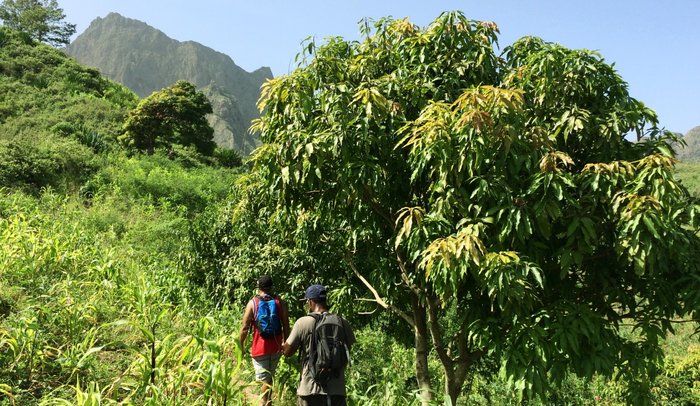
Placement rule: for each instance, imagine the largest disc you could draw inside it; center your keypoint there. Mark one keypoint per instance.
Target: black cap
(315, 292)
(265, 282)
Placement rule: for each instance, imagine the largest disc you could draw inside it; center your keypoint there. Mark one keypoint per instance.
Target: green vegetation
(42, 20)
(492, 203)
(123, 275)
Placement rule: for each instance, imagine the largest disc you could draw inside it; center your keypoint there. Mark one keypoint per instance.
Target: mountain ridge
(145, 59)
(691, 151)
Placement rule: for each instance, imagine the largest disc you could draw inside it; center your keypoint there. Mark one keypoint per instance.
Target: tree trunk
(421, 341)
(456, 368)
(452, 388)
(458, 372)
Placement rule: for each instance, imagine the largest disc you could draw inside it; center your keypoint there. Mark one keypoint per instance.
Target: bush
(60, 163)
(83, 134)
(161, 181)
(382, 371)
(228, 158)
(689, 174)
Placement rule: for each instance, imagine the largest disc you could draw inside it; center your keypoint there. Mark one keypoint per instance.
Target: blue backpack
(267, 318)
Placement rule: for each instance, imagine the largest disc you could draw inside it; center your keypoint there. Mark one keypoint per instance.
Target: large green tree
(43, 20)
(173, 115)
(495, 203)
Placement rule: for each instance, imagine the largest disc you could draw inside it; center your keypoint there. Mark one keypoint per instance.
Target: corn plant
(149, 312)
(23, 348)
(220, 367)
(91, 396)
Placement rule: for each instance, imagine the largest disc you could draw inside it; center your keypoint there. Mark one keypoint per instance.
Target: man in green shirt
(310, 391)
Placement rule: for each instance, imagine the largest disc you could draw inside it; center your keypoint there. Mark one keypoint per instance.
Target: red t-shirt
(265, 346)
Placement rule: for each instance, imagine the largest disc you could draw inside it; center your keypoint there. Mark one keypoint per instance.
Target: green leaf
(664, 149)
(650, 226)
(573, 226)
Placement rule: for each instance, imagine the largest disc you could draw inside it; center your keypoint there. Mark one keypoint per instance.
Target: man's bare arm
(287, 349)
(245, 325)
(285, 321)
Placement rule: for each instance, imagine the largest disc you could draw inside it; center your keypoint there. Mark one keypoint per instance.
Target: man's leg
(312, 400)
(265, 367)
(320, 400)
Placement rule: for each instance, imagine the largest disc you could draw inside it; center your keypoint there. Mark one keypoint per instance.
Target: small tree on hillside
(173, 115)
(43, 20)
(494, 203)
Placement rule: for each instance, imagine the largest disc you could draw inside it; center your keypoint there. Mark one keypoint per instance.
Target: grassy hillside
(90, 239)
(55, 115)
(689, 173)
(102, 250)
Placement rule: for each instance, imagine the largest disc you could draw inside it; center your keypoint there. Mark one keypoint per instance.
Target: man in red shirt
(266, 351)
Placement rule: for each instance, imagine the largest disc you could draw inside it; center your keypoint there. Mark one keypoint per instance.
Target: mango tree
(495, 203)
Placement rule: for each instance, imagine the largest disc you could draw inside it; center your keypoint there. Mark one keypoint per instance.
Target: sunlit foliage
(493, 202)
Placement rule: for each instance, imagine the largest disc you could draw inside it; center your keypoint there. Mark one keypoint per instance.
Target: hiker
(324, 340)
(268, 315)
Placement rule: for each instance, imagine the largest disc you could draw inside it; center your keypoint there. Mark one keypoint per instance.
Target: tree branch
(376, 207)
(437, 338)
(404, 275)
(377, 297)
(464, 360)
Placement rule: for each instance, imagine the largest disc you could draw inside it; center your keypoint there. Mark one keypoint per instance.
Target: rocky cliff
(145, 60)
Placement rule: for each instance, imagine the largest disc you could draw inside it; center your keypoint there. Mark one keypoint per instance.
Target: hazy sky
(654, 44)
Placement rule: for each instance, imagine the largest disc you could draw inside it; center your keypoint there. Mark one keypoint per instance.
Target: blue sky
(654, 44)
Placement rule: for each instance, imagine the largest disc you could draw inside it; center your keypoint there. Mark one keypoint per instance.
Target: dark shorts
(320, 400)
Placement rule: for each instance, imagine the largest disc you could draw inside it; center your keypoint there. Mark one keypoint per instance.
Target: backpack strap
(312, 339)
(255, 301)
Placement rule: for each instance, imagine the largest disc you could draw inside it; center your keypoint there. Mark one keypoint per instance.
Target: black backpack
(328, 353)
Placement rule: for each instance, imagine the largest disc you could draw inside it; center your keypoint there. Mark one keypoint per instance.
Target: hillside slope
(55, 115)
(690, 152)
(144, 59)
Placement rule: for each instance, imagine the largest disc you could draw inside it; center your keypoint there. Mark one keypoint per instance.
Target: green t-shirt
(300, 337)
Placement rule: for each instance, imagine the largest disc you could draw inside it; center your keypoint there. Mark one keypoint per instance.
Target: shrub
(228, 158)
(162, 181)
(59, 163)
(83, 134)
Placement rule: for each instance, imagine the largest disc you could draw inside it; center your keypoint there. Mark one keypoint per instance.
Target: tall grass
(85, 317)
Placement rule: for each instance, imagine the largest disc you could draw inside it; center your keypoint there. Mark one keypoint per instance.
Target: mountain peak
(145, 59)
